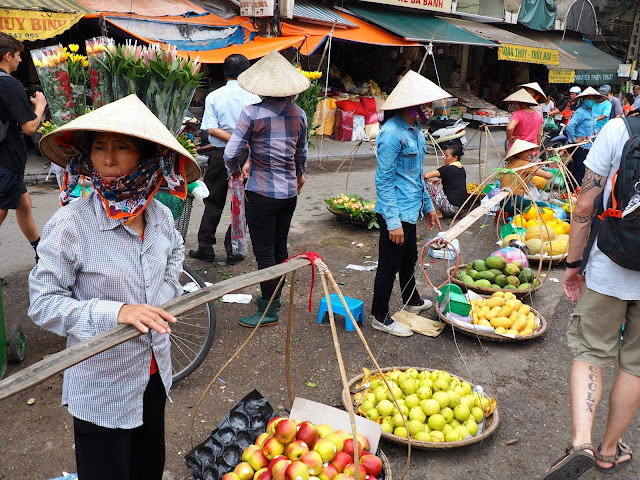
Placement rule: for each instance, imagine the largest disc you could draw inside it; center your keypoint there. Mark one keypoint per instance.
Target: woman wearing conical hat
(107, 259)
(526, 122)
(401, 198)
(276, 132)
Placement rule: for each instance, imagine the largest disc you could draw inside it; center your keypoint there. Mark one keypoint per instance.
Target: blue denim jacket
(581, 124)
(401, 194)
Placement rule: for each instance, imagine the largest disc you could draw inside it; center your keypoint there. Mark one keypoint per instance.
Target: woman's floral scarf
(127, 197)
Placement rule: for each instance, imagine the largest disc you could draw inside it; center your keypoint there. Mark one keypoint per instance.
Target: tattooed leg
(586, 392)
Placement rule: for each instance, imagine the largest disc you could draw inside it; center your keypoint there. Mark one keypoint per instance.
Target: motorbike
(446, 132)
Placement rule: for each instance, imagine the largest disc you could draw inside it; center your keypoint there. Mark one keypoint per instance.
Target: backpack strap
(632, 124)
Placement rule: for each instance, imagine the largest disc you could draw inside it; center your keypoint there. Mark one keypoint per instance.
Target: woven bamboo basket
(386, 466)
(490, 424)
(472, 332)
(346, 218)
(555, 259)
(489, 291)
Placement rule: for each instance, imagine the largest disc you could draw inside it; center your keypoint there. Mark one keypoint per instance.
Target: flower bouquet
(161, 80)
(354, 209)
(78, 75)
(52, 69)
(187, 78)
(308, 101)
(128, 73)
(99, 74)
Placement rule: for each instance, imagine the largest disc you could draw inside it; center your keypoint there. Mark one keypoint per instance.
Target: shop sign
(443, 6)
(596, 77)
(561, 75)
(35, 25)
(520, 53)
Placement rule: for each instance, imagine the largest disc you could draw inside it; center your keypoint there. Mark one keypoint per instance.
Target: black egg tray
(222, 451)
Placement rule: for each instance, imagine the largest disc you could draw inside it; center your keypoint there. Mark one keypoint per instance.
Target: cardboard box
(442, 112)
(320, 414)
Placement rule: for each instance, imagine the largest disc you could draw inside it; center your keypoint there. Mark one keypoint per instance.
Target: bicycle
(192, 335)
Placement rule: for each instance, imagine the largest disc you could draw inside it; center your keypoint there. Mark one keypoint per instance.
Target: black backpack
(619, 238)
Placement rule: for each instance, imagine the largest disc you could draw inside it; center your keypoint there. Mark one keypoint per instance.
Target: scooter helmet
(576, 90)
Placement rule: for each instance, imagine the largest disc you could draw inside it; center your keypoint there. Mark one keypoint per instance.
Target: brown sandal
(574, 462)
(621, 449)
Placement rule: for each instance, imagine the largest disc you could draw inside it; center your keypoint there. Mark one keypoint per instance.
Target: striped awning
(311, 12)
(39, 19)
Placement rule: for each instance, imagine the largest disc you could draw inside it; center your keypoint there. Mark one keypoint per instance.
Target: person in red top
(526, 122)
(628, 104)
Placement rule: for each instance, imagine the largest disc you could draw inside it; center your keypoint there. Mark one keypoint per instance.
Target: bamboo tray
(472, 332)
(490, 423)
(555, 259)
(489, 291)
(346, 218)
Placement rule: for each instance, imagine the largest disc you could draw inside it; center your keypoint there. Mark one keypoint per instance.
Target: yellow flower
(85, 63)
(73, 47)
(37, 63)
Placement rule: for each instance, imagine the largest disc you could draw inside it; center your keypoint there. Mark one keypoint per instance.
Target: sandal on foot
(621, 449)
(574, 462)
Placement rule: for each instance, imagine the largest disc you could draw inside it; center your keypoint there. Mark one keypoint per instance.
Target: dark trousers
(577, 164)
(268, 220)
(394, 259)
(135, 454)
(215, 178)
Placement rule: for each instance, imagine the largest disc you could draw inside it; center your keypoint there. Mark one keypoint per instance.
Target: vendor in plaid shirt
(107, 259)
(276, 131)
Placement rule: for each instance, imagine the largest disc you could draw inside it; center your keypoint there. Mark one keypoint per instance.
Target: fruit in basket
(543, 232)
(372, 464)
(286, 430)
(244, 471)
(313, 461)
(497, 263)
(297, 471)
(479, 265)
(326, 448)
(504, 312)
(258, 460)
(308, 433)
(296, 449)
(230, 476)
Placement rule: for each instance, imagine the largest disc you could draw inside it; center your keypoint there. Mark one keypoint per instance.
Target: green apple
(434, 375)
(436, 422)
(461, 413)
(472, 426)
(384, 408)
(372, 414)
(442, 398)
(373, 384)
(425, 382)
(394, 374)
(447, 413)
(401, 378)
(401, 432)
(412, 372)
(424, 393)
(454, 423)
(467, 401)
(397, 391)
(454, 398)
(370, 397)
(437, 436)
(416, 413)
(423, 437)
(463, 431)
(441, 385)
(409, 386)
(387, 427)
(423, 374)
(459, 390)
(415, 426)
(447, 428)
(466, 387)
(445, 375)
(412, 401)
(398, 420)
(478, 414)
(367, 405)
(380, 393)
(430, 407)
(452, 436)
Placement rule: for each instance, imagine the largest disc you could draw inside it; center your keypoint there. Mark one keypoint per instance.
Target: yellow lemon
(530, 214)
(566, 227)
(532, 223)
(547, 214)
(519, 221)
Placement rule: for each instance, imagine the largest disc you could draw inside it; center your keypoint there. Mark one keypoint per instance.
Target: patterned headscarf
(127, 196)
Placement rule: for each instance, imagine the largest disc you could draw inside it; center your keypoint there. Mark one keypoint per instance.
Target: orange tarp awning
(257, 48)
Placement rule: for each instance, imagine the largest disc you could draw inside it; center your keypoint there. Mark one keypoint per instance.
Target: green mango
(495, 262)
(501, 280)
(487, 275)
(511, 269)
(467, 279)
(472, 273)
(483, 283)
(479, 265)
(496, 286)
(527, 274)
(524, 286)
(518, 264)
(512, 280)
(509, 287)
(459, 275)
(496, 272)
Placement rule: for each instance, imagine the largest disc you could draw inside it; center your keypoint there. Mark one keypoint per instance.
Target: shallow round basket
(346, 218)
(489, 291)
(386, 466)
(555, 259)
(490, 424)
(472, 332)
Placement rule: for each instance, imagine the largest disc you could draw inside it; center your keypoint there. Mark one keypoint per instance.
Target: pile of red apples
(296, 450)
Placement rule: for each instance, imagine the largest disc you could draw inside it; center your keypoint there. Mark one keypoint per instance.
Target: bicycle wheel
(192, 335)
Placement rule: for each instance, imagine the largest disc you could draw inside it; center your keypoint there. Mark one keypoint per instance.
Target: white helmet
(575, 90)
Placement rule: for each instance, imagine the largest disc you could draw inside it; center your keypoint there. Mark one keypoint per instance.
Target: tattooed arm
(583, 213)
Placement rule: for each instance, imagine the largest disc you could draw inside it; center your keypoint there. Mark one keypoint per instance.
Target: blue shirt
(600, 109)
(582, 124)
(222, 108)
(400, 189)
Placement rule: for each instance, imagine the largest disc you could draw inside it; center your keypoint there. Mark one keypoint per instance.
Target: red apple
(272, 447)
(279, 469)
(326, 448)
(271, 425)
(341, 460)
(328, 472)
(262, 474)
(296, 449)
(244, 471)
(343, 434)
(286, 430)
(249, 451)
(372, 463)
(351, 470)
(230, 476)
(262, 438)
(257, 460)
(276, 460)
(297, 471)
(313, 461)
(308, 433)
(349, 446)
(364, 442)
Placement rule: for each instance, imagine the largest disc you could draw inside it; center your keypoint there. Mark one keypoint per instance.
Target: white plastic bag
(200, 191)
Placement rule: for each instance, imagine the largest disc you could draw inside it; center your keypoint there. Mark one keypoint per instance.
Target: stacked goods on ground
(356, 207)
(296, 450)
(496, 272)
(505, 313)
(437, 406)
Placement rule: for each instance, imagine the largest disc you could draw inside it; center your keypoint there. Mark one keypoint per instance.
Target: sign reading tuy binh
(443, 6)
(36, 25)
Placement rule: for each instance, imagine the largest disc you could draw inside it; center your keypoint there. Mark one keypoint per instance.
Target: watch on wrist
(575, 264)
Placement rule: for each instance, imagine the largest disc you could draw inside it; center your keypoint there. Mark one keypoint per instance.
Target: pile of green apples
(437, 406)
(299, 450)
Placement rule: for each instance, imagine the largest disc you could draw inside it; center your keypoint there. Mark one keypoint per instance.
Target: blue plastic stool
(356, 306)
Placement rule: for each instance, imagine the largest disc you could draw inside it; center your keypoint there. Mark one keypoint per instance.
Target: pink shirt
(528, 126)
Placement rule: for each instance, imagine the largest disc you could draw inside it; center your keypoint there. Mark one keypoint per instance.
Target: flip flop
(574, 462)
(621, 449)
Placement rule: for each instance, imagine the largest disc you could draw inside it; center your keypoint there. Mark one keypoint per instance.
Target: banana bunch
(472, 188)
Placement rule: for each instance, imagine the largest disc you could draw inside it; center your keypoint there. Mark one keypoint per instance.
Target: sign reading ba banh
(35, 25)
(431, 5)
(520, 53)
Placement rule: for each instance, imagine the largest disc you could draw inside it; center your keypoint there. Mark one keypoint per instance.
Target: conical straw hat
(534, 86)
(520, 146)
(273, 76)
(588, 92)
(521, 96)
(413, 89)
(127, 116)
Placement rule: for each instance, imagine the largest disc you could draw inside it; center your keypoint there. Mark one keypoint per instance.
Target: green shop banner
(596, 77)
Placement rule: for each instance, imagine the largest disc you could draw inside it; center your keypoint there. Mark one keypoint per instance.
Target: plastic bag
(344, 125)
(512, 254)
(198, 189)
(358, 128)
(238, 219)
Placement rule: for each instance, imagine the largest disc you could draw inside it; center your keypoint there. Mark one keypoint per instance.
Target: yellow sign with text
(443, 6)
(519, 53)
(561, 75)
(33, 25)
